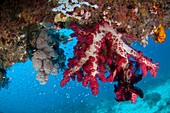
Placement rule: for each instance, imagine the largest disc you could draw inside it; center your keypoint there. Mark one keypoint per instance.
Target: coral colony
(104, 48)
(105, 30)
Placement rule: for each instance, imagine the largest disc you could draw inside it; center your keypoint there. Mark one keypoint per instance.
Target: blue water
(26, 95)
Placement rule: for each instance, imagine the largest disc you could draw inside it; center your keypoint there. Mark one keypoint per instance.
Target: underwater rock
(152, 99)
(4, 81)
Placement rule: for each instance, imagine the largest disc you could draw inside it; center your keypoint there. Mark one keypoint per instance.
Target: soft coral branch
(101, 48)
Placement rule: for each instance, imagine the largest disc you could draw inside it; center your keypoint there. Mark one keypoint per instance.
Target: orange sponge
(160, 33)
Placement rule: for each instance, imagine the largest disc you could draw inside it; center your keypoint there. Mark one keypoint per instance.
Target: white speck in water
(87, 95)
(54, 85)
